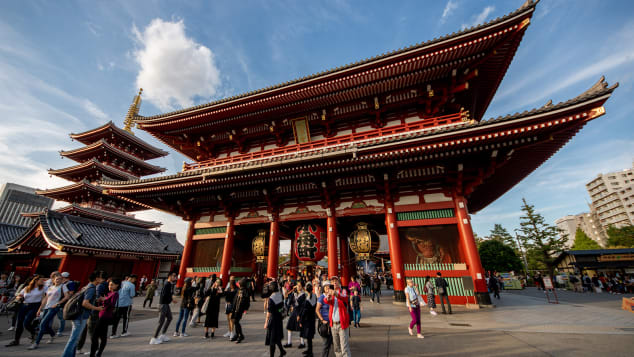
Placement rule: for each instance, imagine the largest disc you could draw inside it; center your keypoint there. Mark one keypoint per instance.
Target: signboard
(616, 257)
(301, 130)
(548, 284)
(467, 283)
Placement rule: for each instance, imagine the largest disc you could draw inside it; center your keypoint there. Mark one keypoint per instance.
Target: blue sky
(71, 66)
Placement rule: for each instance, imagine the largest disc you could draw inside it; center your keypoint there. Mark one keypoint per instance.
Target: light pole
(519, 245)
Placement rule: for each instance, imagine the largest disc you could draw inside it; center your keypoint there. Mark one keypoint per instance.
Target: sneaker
(11, 328)
(12, 343)
(33, 346)
(155, 341)
(86, 353)
(227, 334)
(420, 336)
(50, 340)
(125, 334)
(114, 336)
(433, 312)
(176, 334)
(184, 334)
(288, 345)
(164, 338)
(411, 332)
(59, 334)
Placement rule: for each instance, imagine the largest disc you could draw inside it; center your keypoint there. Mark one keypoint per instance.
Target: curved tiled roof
(109, 216)
(9, 232)
(528, 5)
(77, 233)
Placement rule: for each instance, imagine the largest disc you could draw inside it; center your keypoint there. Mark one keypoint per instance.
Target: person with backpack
(442, 287)
(99, 337)
(78, 310)
(165, 313)
(91, 324)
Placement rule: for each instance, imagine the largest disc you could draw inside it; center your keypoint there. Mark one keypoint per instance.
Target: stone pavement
(522, 324)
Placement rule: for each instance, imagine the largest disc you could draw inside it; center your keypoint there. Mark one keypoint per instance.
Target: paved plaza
(521, 324)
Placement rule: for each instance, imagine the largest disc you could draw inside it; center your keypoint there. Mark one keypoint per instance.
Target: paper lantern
(364, 241)
(310, 246)
(259, 246)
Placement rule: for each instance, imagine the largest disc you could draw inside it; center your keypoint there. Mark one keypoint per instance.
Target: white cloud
(480, 18)
(449, 9)
(174, 68)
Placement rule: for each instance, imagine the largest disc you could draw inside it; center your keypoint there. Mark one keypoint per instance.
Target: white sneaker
(433, 312)
(164, 338)
(50, 340)
(227, 334)
(155, 341)
(87, 353)
(114, 336)
(411, 332)
(59, 334)
(11, 328)
(420, 336)
(125, 334)
(184, 334)
(33, 346)
(176, 334)
(232, 335)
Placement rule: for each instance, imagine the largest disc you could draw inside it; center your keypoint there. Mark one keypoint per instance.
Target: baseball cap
(65, 274)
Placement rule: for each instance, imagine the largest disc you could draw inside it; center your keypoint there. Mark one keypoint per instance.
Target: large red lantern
(310, 246)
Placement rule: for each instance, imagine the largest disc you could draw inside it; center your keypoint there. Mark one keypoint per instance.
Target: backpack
(73, 308)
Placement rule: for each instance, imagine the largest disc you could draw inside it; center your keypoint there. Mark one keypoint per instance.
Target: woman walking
(307, 319)
(31, 296)
(199, 300)
(413, 304)
(274, 320)
(230, 294)
(100, 336)
(55, 296)
(297, 298)
(431, 296)
(213, 296)
(187, 304)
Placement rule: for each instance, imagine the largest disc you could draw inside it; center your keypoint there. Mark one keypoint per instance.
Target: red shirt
(342, 305)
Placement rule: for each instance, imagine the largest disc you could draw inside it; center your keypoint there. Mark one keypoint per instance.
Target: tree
(497, 256)
(583, 242)
(542, 240)
(500, 233)
(621, 237)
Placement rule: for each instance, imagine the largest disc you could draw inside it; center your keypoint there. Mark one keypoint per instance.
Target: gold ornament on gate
(364, 241)
(259, 246)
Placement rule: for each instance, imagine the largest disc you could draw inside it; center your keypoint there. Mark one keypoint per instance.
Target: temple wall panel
(408, 200)
(436, 197)
(207, 253)
(219, 218)
(203, 219)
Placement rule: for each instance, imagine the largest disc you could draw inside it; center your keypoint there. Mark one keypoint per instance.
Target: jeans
(62, 322)
(182, 316)
(25, 317)
(415, 313)
(442, 298)
(123, 311)
(340, 340)
(165, 317)
(376, 295)
(46, 322)
(78, 327)
(356, 315)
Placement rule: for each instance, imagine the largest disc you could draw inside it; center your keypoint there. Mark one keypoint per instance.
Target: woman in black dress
(297, 297)
(307, 319)
(274, 320)
(214, 293)
(230, 293)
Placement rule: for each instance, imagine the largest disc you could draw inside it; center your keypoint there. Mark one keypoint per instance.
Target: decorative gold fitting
(524, 23)
(323, 114)
(376, 103)
(430, 93)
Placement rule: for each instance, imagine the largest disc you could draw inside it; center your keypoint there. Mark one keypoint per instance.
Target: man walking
(88, 305)
(442, 288)
(337, 299)
(126, 293)
(376, 289)
(165, 313)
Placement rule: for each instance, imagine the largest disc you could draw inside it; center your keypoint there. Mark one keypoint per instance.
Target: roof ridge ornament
(132, 112)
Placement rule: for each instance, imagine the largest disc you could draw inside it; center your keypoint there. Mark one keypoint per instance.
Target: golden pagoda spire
(132, 112)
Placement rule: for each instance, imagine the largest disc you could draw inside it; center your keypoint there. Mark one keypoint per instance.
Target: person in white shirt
(31, 297)
(56, 294)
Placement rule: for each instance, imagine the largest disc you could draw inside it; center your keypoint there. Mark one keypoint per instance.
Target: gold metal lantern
(364, 241)
(259, 246)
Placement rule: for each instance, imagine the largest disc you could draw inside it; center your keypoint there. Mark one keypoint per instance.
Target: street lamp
(519, 245)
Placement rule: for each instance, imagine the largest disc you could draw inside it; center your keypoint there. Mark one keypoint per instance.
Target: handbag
(203, 309)
(323, 329)
(14, 305)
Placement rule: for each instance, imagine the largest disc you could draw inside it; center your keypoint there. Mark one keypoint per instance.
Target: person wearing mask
(213, 295)
(31, 297)
(274, 320)
(100, 335)
(165, 313)
(306, 318)
(296, 298)
(413, 305)
(241, 304)
(442, 288)
(230, 294)
(187, 304)
(149, 294)
(337, 299)
(323, 325)
(88, 305)
(48, 310)
(124, 307)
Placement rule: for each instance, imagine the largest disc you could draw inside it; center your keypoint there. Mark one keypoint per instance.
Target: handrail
(343, 139)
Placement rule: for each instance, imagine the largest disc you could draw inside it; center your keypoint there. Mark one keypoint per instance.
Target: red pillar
(187, 254)
(227, 252)
(331, 222)
(293, 259)
(470, 249)
(398, 273)
(345, 261)
(63, 265)
(274, 249)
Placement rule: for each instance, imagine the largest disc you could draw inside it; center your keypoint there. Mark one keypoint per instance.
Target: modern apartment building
(589, 224)
(612, 197)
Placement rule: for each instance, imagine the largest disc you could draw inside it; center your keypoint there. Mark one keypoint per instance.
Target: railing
(439, 266)
(455, 286)
(217, 270)
(426, 123)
